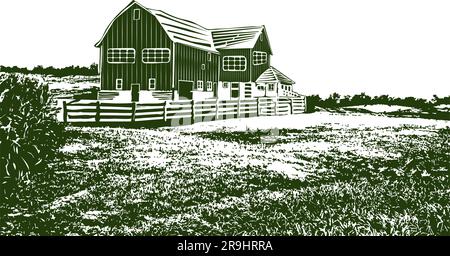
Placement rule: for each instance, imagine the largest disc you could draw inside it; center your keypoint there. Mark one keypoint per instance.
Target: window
(137, 14)
(155, 55)
(209, 56)
(271, 87)
(200, 85)
(152, 84)
(259, 58)
(203, 66)
(121, 56)
(261, 37)
(119, 84)
(234, 63)
(261, 87)
(235, 88)
(225, 85)
(209, 86)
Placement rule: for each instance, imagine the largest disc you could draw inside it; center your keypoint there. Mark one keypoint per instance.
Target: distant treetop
(92, 70)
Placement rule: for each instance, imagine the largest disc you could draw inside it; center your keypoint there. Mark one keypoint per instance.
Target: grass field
(322, 174)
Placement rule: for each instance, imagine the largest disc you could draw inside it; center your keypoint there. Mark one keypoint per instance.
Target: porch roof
(273, 75)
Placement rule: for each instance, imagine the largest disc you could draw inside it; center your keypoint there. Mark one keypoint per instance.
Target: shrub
(311, 103)
(29, 131)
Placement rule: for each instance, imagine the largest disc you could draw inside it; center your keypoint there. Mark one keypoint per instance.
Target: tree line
(92, 70)
(336, 100)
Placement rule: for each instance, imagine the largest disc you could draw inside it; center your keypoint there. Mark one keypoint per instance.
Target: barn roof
(179, 30)
(185, 32)
(273, 75)
(237, 38)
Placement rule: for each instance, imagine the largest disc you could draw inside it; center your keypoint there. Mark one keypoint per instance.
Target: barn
(148, 55)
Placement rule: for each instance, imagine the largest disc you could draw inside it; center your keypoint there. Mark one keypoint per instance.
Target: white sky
(396, 47)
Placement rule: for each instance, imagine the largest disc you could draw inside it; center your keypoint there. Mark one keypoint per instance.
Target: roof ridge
(240, 27)
(173, 16)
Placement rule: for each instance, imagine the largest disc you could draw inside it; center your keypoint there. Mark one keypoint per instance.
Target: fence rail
(182, 112)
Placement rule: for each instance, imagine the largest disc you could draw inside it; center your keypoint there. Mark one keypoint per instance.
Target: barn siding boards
(243, 42)
(236, 76)
(138, 34)
(262, 46)
(188, 66)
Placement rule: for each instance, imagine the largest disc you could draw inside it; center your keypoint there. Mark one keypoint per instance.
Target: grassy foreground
(319, 180)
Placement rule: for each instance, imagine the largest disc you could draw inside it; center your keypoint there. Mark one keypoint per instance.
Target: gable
(178, 30)
(263, 44)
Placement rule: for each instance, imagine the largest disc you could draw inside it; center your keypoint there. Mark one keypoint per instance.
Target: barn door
(185, 89)
(135, 89)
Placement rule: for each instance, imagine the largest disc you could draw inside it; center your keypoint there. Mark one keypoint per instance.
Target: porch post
(97, 115)
(65, 111)
(193, 111)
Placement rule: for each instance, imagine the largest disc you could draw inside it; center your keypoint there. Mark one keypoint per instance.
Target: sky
(395, 47)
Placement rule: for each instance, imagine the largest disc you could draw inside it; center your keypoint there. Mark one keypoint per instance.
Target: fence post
(97, 114)
(292, 105)
(133, 112)
(217, 109)
(166, 106)
(276, 106)
(193, 111)
(64, 111)
(305, 104)
(258, 107)
(238, 108)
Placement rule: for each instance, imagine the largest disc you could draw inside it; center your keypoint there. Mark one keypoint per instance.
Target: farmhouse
(147, 55)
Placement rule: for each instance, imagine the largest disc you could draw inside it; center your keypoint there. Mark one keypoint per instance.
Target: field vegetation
(343, 170)
(322, 179)
(29, 133)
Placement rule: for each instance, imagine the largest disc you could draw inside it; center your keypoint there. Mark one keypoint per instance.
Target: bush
(29, 131)
(311, 103)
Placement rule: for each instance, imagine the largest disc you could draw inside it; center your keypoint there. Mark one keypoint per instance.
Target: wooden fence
(180, 112)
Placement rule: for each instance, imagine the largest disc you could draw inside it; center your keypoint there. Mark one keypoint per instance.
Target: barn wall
(128, 33)
(188, 66)
(236, 76)
(261, 46)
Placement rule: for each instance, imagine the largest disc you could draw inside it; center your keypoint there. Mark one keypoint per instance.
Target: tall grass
(29, 132)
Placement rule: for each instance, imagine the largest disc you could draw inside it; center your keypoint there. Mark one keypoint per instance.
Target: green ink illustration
(157, 67)
(180, 129)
